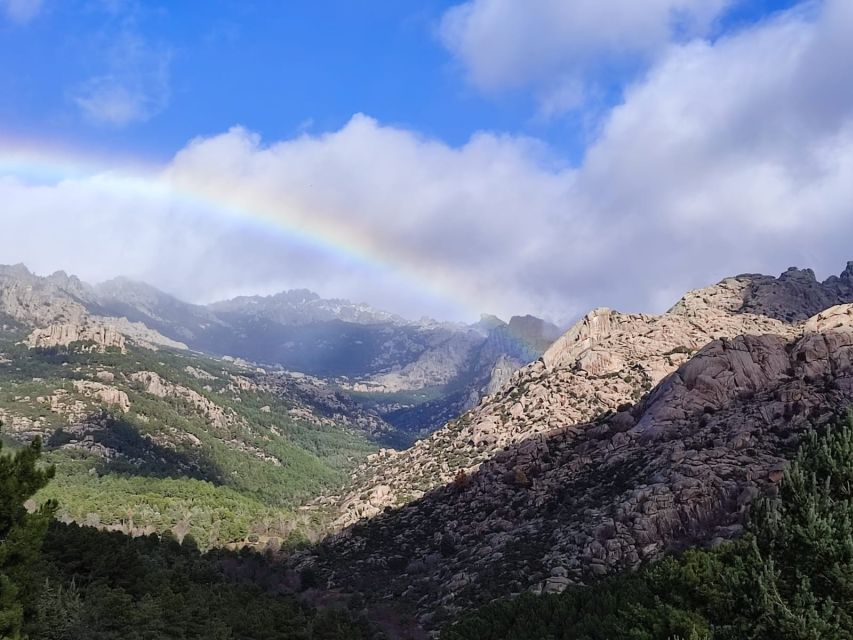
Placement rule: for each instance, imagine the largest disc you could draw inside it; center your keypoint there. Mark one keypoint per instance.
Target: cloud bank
(727, 156)
(556, 47)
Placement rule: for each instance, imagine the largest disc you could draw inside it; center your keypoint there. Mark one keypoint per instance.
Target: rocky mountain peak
(19, 271)
(296, 296)
(806, 276)
(606, 360)
(60, 310)
(842, 284)
(302, 306)
(123, 287)
(793, 297)
(534, 330)
(487, 323)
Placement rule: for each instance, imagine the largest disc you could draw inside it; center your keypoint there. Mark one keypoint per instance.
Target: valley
(150, 433)
(627, 438)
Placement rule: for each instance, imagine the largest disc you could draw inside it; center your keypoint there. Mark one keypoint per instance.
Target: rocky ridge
(301, 306)
(605, 360)
(632, 435)
(61, 310)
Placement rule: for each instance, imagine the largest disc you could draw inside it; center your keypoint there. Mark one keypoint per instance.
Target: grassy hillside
(148, 441)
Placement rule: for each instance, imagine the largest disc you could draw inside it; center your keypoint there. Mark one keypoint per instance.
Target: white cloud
(727, 157)
(134, 86)
(554, 47)
(736, 156)
(21, 11)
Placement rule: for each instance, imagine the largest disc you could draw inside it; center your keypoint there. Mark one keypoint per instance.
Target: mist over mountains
(435, 370)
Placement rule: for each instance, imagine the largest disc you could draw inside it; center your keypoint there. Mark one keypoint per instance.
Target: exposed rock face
(561, 475)
(61, 310)
(110, 396)
(42, 301)
(103, 333)
(793, 297)
(579, 500)
(140, 334)
(607, 359)
(62, 335)
(155, 385)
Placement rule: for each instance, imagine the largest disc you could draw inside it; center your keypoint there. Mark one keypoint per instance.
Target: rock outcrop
(157, 386)
(605, 360)
(101, 336)
(60, 310)
(106, 394)
(583, 499)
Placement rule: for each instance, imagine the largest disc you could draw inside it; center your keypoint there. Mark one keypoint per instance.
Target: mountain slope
(301, 306)
(148, 436)
(607, 359)
(567, 477)
(468, 365)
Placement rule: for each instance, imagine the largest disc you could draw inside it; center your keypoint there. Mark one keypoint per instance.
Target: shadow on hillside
(488, 535)
(125, 451)
(794, 296)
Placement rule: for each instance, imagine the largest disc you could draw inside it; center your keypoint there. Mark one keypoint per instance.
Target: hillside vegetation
(149, 441)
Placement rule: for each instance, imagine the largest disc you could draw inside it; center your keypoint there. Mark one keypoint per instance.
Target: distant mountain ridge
(420, 373)
(301, 306)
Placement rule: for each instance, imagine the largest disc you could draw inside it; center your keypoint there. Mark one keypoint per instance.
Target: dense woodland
(790, 577)
(67, 582)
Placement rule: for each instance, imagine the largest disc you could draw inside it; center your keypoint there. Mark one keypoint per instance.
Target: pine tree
(21, 535)
(59, 612)
(801, 556)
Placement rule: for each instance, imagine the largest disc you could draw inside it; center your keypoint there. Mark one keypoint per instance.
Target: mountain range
(526, 461)
(416, 375)
(633, 436)
(237, 412)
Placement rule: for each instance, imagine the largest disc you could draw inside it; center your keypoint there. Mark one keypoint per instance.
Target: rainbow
(294, 219)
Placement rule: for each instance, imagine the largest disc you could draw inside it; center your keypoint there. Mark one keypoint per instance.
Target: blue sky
(278, 68)
(275, 67)
(510, 155)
